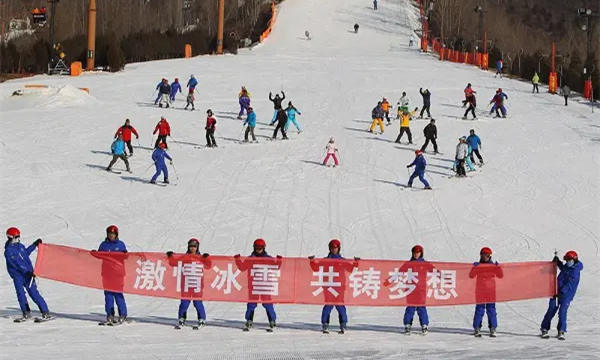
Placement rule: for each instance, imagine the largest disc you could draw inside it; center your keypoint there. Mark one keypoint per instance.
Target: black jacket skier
(426, 101)
(277, 100)
(281, 121)
(430, 132)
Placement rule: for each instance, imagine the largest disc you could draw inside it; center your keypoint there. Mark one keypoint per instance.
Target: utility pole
(52, 16)
(220, 27)
(483, 35)
(587, 27)
(91, 53)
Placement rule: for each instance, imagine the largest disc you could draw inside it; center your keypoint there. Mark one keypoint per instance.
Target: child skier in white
(331, 150)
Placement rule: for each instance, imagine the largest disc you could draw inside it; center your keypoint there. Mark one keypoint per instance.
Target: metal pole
(91, 53)
(220, 27)
(52, 14)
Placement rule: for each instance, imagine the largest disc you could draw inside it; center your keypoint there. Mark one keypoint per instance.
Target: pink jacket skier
(331, 150)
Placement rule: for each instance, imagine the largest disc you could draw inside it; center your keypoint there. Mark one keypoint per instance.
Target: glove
(279, 256)
(37, 242)
(137, 137)
(171, 162)
(407, 166)
(555, 260)
(311, 257)
(169, 253)
(205, 255)
(236, 256)
(94, 251)
(356, 258)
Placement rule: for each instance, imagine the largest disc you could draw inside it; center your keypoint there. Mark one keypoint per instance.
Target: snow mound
(64, 96)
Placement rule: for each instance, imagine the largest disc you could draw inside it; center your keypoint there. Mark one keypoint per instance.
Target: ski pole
(241, 132)
(152, 142)
(175, 171)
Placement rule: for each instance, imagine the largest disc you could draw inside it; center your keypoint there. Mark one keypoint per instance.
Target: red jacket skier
(163, 130)
(126, 131)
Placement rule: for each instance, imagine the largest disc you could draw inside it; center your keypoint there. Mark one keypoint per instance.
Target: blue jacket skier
(567, 283)
(419, 163)
(251, 122)
(175, 87)
(158, 96)
(474, 142)
(498, 101)
(193, 249)
(191, 84)
(158, 156)
(485, 271)
(291, 114)
(418, 264)
(20, 269)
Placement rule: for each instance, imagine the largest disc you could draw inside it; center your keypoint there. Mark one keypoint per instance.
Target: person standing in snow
(402, 104)
(419, 163)
(210, 128)
(535, 81)
(192, 83)
(251, 122)
(461, 155)
(331, 150)
(118, 152)
(291, 112)
(282, 120)
(475, 142)
(374, 4)
(405, 125)
(355, 28)
(158, 156)
(421, 267)
(190, 100)
(485, 271)
(244, 101)
(377, 116)
(191, 256)
(430, 132)
(126, 131)
(165, 92)
(498, 101)
(164, 129)
(567, 283)
(276, 104)
(20, 270)
(426, 102)
(175, 87)
(472, 105)
(159, 95)
(499, 68)
(468, 92)
(566, 92)
(385, 106)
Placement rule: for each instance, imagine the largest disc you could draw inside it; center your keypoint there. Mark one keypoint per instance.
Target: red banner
(297, 280)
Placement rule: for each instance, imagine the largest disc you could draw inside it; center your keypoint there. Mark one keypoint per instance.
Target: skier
(385, 106)
(276, 104)
(307, 34)
(498, 101)
(158, 156)
(244, 101)
(164, 129)
(20, 269)
(113, 275)
(567, 283)
(282, 119)
(126, 131)
(374, 4)
(118, 152)
(419, 266)
(251, 122)
(486, 271)
(403, 104)
(566, 92)
(190, 100)
(405, 125)
(475, 142)
(355, 28)
(175, 87)
(159, 95)
(419, 163)
(210, 128)
(468, 92)
(430, 132)
(165, 92)
(190, 257)
(472, 105)
(426, 102)
(499, 68)
(461, 154)
(191, 84)
(377, 116)
(331, 149)
(259, 247)
(535, 81)
(291, 112)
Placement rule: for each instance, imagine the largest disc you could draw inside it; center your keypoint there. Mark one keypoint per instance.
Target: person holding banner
(419, 267)
(567, 283)
(486, 271)
(189, 260)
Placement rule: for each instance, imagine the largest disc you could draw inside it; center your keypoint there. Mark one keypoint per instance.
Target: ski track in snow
(538, 191)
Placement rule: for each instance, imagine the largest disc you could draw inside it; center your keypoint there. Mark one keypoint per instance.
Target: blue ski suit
(113, 272)
(485, 290)
(291, 113)
(20, 269)
(192, 82)
(175, 87)
(419, 163)
(409, 313)
(250, 307)
(341, 309)
(159, 94)
(158, 156)
(567, 282)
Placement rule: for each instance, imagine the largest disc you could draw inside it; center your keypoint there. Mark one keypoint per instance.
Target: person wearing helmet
(417, 264)
(405, 125)
(498, 101)
(118, 152)
(158, 156)
(419, 163)
(468, 93)
(164, 91)
(259, 251)
(113, 275)
(291, 112)
(385, 106)
(126, 130)
(475, 143)
(175, 87)
(430, 132)
(331, 151)
(485, 271)
(377, 116)
(163, 129)
(276, 104)
(190, 259)
(461, 154)
(20, 269)
(567, 283)
(282, 120)
(157, 89)
(211, 126)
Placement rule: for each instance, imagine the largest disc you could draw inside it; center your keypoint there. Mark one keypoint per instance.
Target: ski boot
(545, 334)
(561, 335)
(477, 332)
(424, 330)
(427, 188)
(493, 332)
(325, 328)
(201, 323)
(26, 316)
(343, 328)
(272, 326)
(248, 325)
(180, 323)
(152, 182)
(407, 329)
(166, 181)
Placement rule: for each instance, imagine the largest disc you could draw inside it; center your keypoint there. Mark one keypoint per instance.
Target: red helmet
(570, 255)
(194, 241)
(418, 152)
(162, 145)
(485, 250)
(13, 232)
(112, 229)
(335, 243)
(417, 248)
(259, 243)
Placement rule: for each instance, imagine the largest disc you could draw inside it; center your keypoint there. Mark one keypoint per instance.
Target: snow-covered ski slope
(537, 192)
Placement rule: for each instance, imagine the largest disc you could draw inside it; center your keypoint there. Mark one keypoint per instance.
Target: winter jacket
(499, 64)
(118, 147)
(469, 91)
(251, 119)
(159, 85)
(565, 90)
(568, 280)
(291, 112)
(165, 88)
(116, 245)
(175, 87)
(211, 123)
(159, 155)
(112, 265)
(498, 99)
(18, 263)
(461, 151)
(281, 117)
(244, 101)
(426, 97)
(535, 79)
(430, 131)
(405, 119)
(385, 106)
(404, 101)
(472, 100)
(162, 128)
(377, 112)
(474, 141)
(192, 82)
(419, 163)
(331, 148)
(126, 131)
(277, 100)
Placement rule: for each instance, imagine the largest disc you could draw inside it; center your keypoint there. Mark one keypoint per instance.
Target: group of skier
(20, 269)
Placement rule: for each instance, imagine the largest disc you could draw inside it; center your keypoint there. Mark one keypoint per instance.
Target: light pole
(588, 13)
(483, 34)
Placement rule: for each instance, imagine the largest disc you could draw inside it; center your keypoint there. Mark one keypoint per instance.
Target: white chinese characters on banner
(441, 284)
(149, 275)
(326, 279)
(265, 279)
(404, 283)
(192, 274)
(365, 282)
(225, 279)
